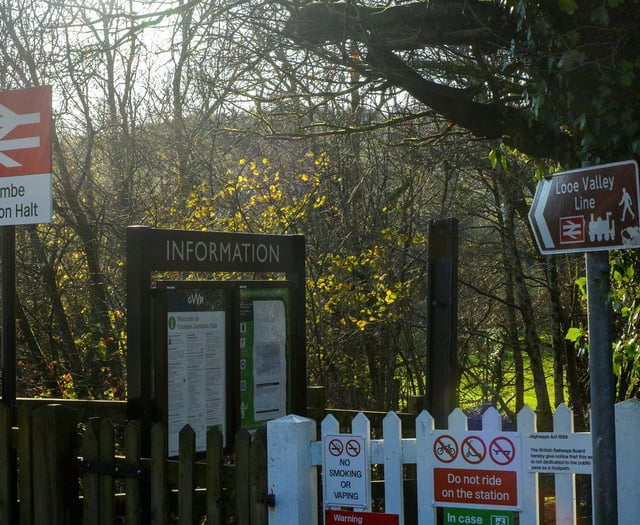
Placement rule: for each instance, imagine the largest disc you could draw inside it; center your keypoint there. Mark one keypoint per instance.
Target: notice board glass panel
(196, 362)
(264, 348)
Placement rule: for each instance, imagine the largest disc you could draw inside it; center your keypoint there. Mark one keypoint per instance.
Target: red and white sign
(346, 471)
(445, 448)
(25, 156)
(342, 517)
(502, 450)
(572, 229)
(475, 487)
(590, 209)
(473, 450)
(476, 468)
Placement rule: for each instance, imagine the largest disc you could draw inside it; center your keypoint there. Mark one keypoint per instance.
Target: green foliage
(625, 290)
(582, 62)
(626, 352)
(357, 300)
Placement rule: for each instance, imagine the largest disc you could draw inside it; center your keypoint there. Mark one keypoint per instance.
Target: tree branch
(487, 120)
(404, 27)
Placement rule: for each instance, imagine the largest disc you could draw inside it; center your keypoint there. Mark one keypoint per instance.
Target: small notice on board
(557, 453)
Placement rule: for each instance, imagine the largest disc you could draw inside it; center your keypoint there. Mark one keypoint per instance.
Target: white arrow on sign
(545, 234)
(9, 120)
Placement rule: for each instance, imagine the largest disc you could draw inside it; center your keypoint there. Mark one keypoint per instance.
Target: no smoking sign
(346, 470)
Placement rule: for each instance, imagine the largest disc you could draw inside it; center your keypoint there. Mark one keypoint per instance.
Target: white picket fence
(294, 456)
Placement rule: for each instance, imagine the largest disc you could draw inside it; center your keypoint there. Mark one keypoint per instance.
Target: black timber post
(299, 307)
(139, 351)
(442, 319)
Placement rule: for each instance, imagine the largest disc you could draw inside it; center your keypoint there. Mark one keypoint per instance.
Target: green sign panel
(264, 348)
(477, 517)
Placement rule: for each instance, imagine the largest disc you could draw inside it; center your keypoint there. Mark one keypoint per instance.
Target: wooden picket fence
(55, 469)
(62, 473)
(295, 457)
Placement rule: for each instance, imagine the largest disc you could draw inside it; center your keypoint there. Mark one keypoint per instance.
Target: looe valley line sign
(588, 209)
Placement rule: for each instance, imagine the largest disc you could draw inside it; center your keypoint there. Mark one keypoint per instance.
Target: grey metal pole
(603, 432)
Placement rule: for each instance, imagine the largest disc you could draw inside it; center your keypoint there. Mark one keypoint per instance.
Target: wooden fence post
(133, 449)
(6, 470)
(56, 483)
(91, 480)
(566, 511)
(26, 473)
(627, 431)
(292, 478)
(186, 474)
(214, 475)
(158, 498)
(242, 444)
(530, 514)
(259, 503)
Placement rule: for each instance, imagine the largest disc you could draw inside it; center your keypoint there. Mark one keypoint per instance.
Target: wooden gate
(57, 470)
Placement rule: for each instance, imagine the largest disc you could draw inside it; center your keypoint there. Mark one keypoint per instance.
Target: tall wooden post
(442, 320)
(55, 491)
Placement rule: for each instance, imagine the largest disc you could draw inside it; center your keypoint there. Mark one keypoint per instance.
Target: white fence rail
(294, 457)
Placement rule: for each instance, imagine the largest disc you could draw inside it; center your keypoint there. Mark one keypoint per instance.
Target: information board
(264, 343)
(195, 363)
(152, 253)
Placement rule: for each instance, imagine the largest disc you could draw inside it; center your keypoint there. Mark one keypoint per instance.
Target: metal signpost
(25, 197)
(593, 210)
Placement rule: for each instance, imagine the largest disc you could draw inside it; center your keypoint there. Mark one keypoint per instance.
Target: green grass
(472, 395)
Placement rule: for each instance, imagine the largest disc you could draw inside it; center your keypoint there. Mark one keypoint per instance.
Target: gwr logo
(195, 299)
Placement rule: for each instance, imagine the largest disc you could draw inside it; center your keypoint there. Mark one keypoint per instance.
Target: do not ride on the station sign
(346, 471)
(476, 469)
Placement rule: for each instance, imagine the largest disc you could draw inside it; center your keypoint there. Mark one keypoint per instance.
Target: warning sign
(340, 517)
(473, 450)
(345, 471)
(484, 487)
(445, 448)
(502, 450)
(476, 468)
(483, 450)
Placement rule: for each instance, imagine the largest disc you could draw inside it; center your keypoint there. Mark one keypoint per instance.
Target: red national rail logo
(25, 131)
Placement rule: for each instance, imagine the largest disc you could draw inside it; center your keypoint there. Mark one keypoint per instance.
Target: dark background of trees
(352, 124)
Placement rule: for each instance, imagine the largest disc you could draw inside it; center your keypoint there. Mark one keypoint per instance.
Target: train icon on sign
(602, 228)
